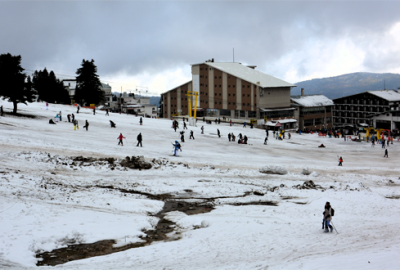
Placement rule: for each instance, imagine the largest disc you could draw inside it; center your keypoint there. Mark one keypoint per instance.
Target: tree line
(17, 87)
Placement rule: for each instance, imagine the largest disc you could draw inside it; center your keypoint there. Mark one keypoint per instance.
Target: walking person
(202, 129)
(229, 136)
(191, 135)
(47, 106)
(139, 139)
(182, 136)
(69, 118)
(184, 124)
(120, 138)
(383, 143)
(177, 147)
(141, 121)
(266, 140)
(327, 217)
(76, 124)
(219, 134)
(386, 153)
(60, 114)
(73, 118)
(94, 111)
(244, 124)
(1, 110)
(107, 112)
(86, 125)
(233, 137)
(78, 108)
(340, 161)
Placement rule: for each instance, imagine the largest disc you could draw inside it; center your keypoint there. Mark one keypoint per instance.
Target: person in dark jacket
(141, 121)
(94, 111)
(51, 122)
(1, 110)
(107, 112)
(73, 118)
(229, 136)
(219, 134)
(245, 139)
(139, 139)
(86, 125)
(327, 217)
(191, 135)
(386, 153)
(112, 124)
(182, 136)
(69, 118)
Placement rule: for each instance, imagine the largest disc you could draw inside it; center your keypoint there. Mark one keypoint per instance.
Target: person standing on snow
(383, 143)
(184, 124)
(47, 106)
(191, 135)
(120, 138)
(1, 110)
(340, 161)
(219, 134)
(94, 111)
(233, 137)
(73, 118)
(69, 118)
(139, 139)
(327, 217)
(107, 112)
(177, 147)
(386, 153)
(141, 121)
(86, 125)
(245, 139)
(266, 140)
(202, 129)
(229, 136)
(76, 124)
(60, 116)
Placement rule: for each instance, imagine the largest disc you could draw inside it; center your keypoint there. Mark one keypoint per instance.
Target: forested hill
(348, 84)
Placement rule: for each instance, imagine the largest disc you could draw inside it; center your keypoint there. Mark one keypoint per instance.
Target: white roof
(312, 100)
(250, 75)
(284, 121)
(276, 110)
(389, 95)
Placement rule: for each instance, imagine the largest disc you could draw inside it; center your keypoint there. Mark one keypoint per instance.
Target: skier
(107, 112)
(244, 124)
(94, 111)
(73, 118)
(327, 217)
(47, 106)
(175, 126)
(139, 139)
(86, 125)
(386, 153)
(57, 118)
(141, 121)
(202, 129)
(372, 142)
(177, 147)
(340, 161)
(245, 139)
(51, 122)
(219, 134)
(78, 108)
(69, 118)
(251, 125)
(289, 135)
(60, 114)
(266, 140)
(120, 138)
(230, 123)
(191, 135)
(76, 124)
(1, 110)
(112, 124)
(383, 143)
(229, 136)
(233, 137)
(184, 124)
(266, 132)
(182, 136)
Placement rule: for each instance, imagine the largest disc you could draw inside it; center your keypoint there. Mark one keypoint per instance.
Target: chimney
(212, 60)
(302, 91)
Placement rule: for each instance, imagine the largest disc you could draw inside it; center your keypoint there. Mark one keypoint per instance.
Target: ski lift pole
(189, 95)
(196, 94)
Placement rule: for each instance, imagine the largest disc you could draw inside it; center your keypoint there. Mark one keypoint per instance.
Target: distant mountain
(348, 84)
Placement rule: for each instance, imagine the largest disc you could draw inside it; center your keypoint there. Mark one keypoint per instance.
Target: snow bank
(273, 170)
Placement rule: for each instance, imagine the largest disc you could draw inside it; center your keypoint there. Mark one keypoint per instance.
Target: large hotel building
(231, 90)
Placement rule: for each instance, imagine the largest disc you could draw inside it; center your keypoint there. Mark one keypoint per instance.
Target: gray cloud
(156, 36)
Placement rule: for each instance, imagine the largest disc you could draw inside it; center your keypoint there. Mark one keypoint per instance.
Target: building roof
(249, 74)
(389, 95)
(176, 87)
(104, 85)
(312, 100)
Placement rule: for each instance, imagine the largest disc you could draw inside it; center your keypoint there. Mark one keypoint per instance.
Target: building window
(215, 77)
(215, 85)
(248, 95)
(229, 103)
(215, 103)
(215, 94)
(220, 103)
(229, 95)
(243, 95)
(206, 85)
(328, 120)
(219, 94)
(220, 77)
(219, 86)
(244, 104)
(242, 113)
(248, 86)
(308, 122)
(225, 112)
(252, 114)
(248, 104)
(234, 94)
(229, 86)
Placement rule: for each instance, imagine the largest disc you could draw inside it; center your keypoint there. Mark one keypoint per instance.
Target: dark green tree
(14, 86)
(88, 85)
(50, 88)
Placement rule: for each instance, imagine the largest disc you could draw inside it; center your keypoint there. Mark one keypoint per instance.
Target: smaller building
(312, 111)
(387, 120)
(70, 85)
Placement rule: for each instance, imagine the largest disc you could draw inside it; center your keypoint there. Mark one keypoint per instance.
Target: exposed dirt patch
(308, 185)
(105, 247)
(270, 203)
(396, 197)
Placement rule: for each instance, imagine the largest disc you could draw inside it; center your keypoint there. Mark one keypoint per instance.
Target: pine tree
(50, 88)
(13, 85)
(88, 85)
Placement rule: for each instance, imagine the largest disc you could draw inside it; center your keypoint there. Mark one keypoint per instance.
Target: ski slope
(46, 202)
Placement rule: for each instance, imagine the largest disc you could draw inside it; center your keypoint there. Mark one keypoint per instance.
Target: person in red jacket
(120, 138)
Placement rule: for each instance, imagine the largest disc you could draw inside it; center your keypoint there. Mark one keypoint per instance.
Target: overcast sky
(152, 44)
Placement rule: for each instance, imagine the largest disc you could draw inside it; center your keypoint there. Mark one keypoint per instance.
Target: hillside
(348, 84)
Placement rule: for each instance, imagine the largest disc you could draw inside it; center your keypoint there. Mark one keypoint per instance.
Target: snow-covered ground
(48, 200)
